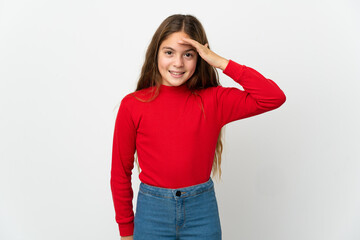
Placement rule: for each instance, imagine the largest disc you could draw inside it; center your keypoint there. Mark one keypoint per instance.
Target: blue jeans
(189, 213)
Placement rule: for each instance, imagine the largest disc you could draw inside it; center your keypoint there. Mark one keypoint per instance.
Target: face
(176, 62)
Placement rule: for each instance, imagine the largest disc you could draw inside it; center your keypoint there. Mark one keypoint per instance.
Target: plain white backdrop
(292, 173)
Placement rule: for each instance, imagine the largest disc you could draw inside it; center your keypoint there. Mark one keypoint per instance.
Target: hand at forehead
(192, 42)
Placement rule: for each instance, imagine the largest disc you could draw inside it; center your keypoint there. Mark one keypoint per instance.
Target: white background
(292, 173)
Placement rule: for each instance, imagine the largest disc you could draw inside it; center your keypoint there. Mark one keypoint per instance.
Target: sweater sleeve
(260, 94)
(121, 169)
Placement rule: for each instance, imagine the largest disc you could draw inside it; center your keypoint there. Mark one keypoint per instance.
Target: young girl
(173, 120)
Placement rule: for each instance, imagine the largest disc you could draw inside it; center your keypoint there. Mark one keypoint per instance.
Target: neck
(165, 88)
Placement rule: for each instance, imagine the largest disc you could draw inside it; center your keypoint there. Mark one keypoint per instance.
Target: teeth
(176, 73)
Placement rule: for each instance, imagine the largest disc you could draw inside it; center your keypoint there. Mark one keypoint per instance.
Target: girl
(174, 120)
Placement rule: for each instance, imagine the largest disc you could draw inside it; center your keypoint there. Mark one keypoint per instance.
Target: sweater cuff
(234, 70)
(126, 229)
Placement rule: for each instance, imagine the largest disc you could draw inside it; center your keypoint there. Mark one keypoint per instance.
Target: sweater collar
(173, 89)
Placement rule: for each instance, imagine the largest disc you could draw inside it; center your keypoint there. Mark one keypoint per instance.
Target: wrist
(224, 62)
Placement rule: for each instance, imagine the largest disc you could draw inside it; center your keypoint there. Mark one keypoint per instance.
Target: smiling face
(176, 62)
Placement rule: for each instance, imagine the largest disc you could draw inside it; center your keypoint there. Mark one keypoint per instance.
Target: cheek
(163, 63)
(192, 66)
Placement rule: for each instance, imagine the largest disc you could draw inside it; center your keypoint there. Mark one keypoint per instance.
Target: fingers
(192, 42)
(205, 53)
(203, 50)
(189, 41)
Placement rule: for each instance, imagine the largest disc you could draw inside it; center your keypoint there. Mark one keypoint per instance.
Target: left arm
(260, 95)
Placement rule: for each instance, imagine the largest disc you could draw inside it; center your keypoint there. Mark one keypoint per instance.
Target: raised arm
(260, 95)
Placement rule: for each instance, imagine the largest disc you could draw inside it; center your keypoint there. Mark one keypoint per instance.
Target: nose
(178, 62)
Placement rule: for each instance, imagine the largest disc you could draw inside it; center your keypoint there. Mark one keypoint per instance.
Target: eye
(189, 55)
(168, 52)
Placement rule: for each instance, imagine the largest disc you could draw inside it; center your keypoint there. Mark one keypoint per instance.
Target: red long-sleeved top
(175, 141)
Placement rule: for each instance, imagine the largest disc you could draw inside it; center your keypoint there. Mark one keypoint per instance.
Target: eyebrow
(190, 49)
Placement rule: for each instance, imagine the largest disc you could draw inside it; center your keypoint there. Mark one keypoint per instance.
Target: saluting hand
(205, 53)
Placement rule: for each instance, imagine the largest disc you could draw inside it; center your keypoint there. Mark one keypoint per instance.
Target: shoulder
(208, 95)
(216, 94)
(127, 101)
(131, 97)
(206, 91)
(136, 98)
(211, 92)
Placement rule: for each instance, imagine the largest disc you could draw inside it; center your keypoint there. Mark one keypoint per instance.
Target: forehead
(173, 39)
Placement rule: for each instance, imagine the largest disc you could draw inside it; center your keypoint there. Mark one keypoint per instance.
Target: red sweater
(175, 141)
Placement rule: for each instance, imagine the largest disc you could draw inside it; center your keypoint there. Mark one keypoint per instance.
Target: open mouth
(176, 74)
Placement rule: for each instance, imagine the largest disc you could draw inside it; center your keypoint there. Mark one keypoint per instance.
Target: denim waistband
(177, 192)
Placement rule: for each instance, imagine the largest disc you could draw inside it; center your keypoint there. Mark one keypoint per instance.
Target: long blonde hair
(204, 76)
